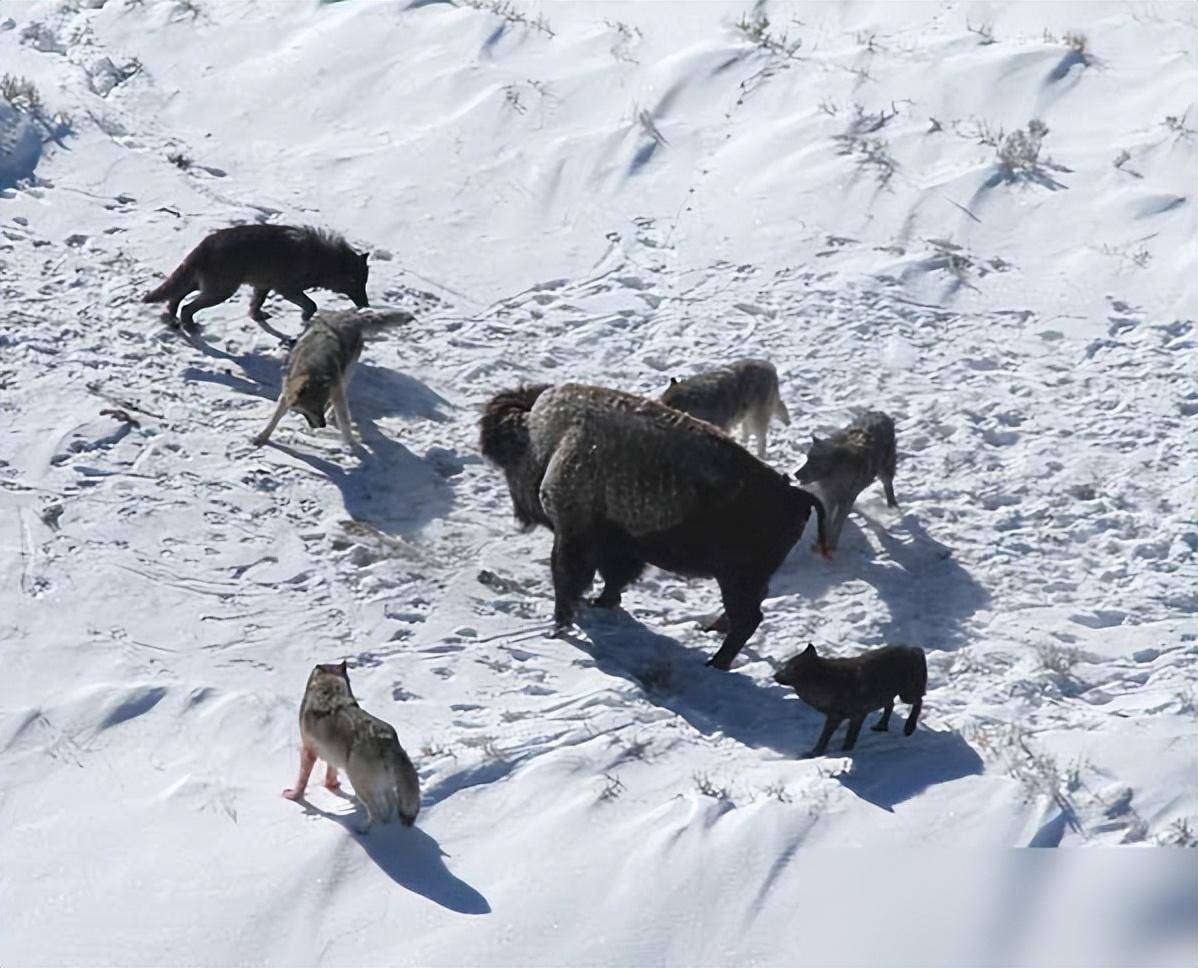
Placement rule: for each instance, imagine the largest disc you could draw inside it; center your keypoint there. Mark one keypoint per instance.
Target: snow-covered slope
(615, 193)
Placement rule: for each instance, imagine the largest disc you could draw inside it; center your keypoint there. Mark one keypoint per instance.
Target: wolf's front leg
(341, 410)
(269, 429)
(307, 761)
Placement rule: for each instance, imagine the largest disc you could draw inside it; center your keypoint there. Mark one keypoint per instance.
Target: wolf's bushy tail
(503, 429)
(780, 409)
(178, 284)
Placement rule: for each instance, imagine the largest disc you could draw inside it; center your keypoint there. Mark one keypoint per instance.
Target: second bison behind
(623, 481)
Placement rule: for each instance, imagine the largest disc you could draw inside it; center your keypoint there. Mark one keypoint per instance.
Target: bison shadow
(411, 858)
(930, 596)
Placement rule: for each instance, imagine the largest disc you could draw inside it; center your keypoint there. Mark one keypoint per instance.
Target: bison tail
(503, 429)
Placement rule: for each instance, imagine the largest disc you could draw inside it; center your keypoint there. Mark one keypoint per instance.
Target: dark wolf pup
(744, 392)
(623, 482)
(285, 258)
(336, 729)
(845, 464)
(321, 366)
(850, 688)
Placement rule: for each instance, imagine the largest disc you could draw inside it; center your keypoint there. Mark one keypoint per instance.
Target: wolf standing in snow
(845, 464)
(336, 729)
(321, 365)
(744, 392)
(623, 481)
(850, 688)
(285, 258)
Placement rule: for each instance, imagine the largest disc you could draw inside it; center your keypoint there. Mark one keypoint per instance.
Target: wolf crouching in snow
(285, 258)
(744, 392)
(334, 728)
(321, 365)
(851, 688)
(842, 466)
(623, 481)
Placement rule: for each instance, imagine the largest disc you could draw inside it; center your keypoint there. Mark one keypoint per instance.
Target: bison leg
(830, 724)
(618, 573)
(883, 724)
(573, 572)
(742, 605)
(913, 717)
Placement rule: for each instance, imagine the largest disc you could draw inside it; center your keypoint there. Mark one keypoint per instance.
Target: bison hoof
(605, 601)
(880, 728)
(717, 663)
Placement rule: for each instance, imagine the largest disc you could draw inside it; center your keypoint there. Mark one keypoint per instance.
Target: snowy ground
(623, 193)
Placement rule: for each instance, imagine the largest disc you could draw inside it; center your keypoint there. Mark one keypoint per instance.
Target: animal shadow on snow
(387, 486)
(674, 677)
(889, 767)
(894, 767)
(929, 594)
(411, 858)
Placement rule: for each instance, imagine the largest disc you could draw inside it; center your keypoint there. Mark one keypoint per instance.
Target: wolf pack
(621, 480)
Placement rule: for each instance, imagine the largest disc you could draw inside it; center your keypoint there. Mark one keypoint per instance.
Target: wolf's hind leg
(257, 313)
(913, 717)
(307, 761)
(283, 406)
(330, 777)
(300, 298)
(883, 724)
(206, 299)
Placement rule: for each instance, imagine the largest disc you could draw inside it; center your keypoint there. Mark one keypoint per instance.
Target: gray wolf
(850, 688)
(336, 729)
(744, 392)
(845, 464)
(321, 365)
(623, 481)
(285, 258)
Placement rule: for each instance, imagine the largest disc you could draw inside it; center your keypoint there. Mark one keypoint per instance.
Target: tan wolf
(285, 258)
(744, 392)
(321, 366)
(336, 729)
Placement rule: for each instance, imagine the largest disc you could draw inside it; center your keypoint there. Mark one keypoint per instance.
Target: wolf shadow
(385, 484)
(412, 859)
(929, 594)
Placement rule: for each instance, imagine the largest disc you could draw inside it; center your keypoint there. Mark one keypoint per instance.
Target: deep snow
(637, 192)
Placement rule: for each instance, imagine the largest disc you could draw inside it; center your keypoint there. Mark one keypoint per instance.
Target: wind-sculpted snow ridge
(614, 197)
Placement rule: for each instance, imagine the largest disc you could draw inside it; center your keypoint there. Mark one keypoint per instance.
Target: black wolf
(285, 258)
(845, 464)
(850, 688)
(623, 481)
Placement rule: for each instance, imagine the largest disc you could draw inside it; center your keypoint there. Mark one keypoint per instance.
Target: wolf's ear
(673, 380)
(810, 650)
(815, 440)
(343, 669)
(363, 256)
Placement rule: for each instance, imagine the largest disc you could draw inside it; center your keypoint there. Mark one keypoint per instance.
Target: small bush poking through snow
(512, 14)
(1058, 658)
(707, 788)
(612, 788)
(1019, 151)
(22, 95)
(757, 32)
